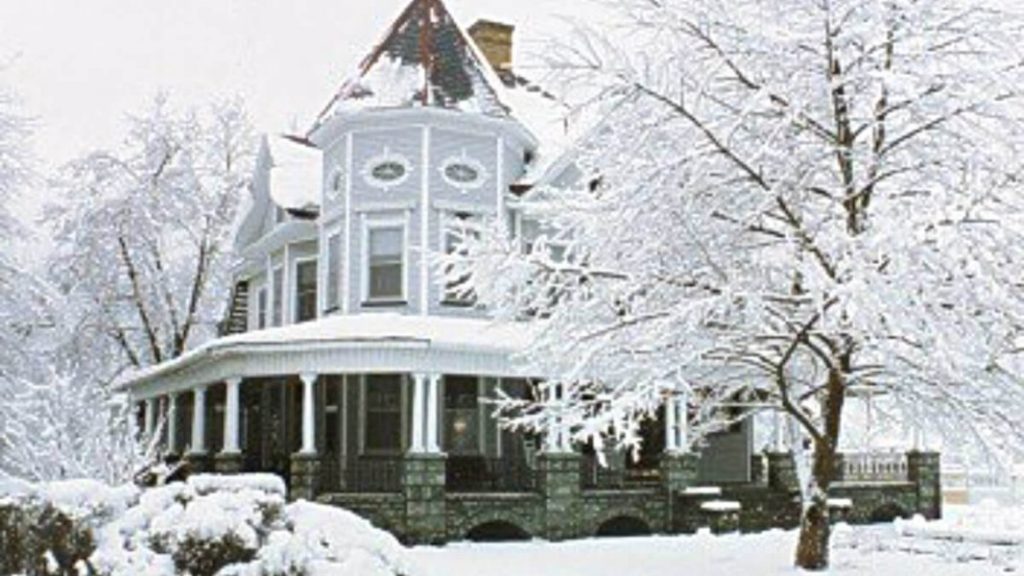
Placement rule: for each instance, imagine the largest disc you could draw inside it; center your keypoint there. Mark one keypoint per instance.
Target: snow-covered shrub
(323, 539)
(51, 528)
(209, 525)
(199, 526)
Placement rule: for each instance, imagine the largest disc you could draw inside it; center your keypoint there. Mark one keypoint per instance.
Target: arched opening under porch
(497, 531)
(623, 525)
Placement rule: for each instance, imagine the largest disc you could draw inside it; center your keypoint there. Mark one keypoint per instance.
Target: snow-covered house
(348, 366)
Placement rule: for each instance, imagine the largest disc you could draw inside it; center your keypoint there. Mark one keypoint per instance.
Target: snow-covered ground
(876, 550)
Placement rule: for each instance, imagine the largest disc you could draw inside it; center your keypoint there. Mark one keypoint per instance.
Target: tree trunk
(812, 549)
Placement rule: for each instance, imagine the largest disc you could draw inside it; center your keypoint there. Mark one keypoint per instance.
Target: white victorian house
(350, 369)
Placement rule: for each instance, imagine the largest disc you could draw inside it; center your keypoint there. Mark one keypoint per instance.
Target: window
(383, 413)
(385, 254)
(333, 272)
(278, 311)
(305, 291)
(461, 414)
(458, 228)
(386, 170)
(336, 185)
(261, 309)
(463, 172)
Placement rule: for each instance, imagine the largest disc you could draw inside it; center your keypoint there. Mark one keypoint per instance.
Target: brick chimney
(495, 40)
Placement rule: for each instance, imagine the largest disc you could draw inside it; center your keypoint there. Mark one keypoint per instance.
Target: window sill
(459, 303)
(384, 303)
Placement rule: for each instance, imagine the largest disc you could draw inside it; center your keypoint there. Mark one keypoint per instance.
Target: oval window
(388, 171)
(461, 173)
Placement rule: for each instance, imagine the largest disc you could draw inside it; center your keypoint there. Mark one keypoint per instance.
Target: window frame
(277, 296)
(336, 283)
(369, 226)
(364, 412)
(478, 409)
(444, 296)
(295, 288)
(262, 306)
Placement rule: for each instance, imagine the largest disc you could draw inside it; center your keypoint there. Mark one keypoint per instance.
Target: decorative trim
(393, 206)
(425, 226)
(346, 296)
(378, 166)
(467, 207)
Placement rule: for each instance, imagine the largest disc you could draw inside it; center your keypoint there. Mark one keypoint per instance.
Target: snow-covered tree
(786, 202)
(23, 298)
(142, 232)
(26, 319)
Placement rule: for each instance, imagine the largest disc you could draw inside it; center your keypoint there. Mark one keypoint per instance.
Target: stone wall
(424, 512)
(469, 511)
(600, 506)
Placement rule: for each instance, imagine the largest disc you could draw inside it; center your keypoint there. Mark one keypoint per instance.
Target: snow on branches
(787, 207)
(142, 232)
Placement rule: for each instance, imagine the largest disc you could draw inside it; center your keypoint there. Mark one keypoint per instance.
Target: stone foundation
(422, 511)
(305, 473)
(423, 478)
(559, 480)
(228, 463)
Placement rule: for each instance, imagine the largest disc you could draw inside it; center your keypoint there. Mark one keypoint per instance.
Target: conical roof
(425, 59)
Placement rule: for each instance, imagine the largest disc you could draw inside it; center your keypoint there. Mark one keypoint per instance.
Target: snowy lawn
(874, 550)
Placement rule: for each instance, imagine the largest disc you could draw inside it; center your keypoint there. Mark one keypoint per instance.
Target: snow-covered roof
(472, 335)
(296, 173)
(425, 59)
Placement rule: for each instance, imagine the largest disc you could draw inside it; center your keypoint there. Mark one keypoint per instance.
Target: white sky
(81, 65)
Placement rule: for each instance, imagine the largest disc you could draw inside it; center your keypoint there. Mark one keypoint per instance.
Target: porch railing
(374, 475)
(594, 476)
(872, 467)
(480, 474)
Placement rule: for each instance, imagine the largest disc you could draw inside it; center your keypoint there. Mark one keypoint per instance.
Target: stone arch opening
(887, 513)
(497, 531)
(624, 526)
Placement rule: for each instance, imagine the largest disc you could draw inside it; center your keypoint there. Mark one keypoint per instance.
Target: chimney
(495, 41)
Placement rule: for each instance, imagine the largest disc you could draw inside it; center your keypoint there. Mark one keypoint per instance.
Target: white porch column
(150, 417)
(682, 423)
(308, 415)
(199, 420)
(419, 384)
(172, 423)
(231, 416)
(671, 437)
(918, 429)
(551, 442)
(564, 438)
(433, 389)
(780, 431)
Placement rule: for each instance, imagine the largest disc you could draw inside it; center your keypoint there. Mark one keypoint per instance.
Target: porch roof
(361, 343)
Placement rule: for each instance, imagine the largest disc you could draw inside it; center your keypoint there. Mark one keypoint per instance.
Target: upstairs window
(385, 263)
(382, 416)
(458, 228)
(463, 172)
(387, 170)
(305, 291)
(333, 279)
(278, 300)
(261, 309)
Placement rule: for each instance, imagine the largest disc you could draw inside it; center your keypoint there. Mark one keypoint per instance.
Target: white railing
(873, 467)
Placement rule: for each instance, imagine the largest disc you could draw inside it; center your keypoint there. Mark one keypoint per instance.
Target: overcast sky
(81, 65)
